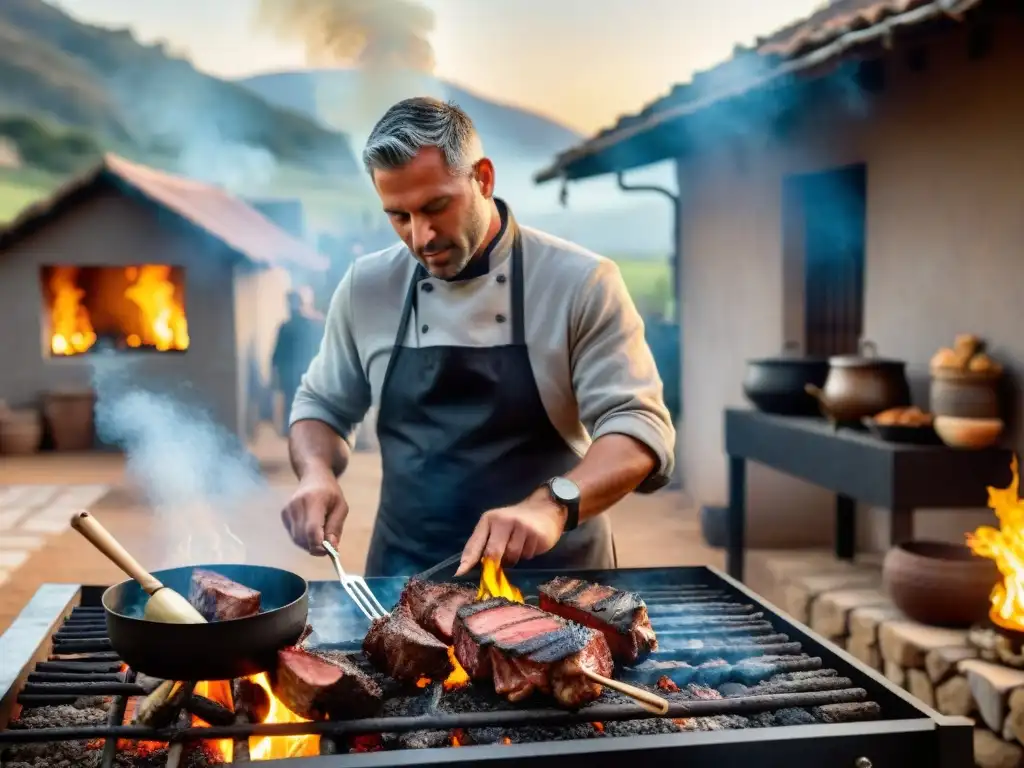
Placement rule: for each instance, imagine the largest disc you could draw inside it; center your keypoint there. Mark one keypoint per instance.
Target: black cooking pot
(778, 384)
(219, 650)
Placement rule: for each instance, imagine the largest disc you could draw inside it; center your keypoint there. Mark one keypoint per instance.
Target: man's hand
(511, 534)
(316, 512)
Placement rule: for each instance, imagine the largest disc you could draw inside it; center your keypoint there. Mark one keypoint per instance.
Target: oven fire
(138, 307)
(1005, 545)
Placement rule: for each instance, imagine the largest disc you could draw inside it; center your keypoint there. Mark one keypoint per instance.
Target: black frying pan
(156, 632)
(220, 650)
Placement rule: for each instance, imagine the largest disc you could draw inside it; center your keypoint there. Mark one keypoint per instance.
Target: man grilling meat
(517, 398)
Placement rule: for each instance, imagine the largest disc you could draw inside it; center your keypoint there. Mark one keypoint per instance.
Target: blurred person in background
(298, 340)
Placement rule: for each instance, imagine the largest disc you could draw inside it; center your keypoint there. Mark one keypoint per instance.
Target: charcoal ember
(752, 673)
(792, 716)
(424, 739)
(534, 734)
(472, 698)
(703, 692)
(487, 735)
(847, 713)
(60, 716)
(82, 754)
(717, 723)
(733, 690)
(647, 727)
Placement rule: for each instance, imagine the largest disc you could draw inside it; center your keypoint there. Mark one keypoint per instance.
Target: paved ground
(39, 493)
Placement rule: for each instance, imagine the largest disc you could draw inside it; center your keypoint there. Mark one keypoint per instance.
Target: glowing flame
(1006, 547)
(71, 331)
(260, 747)
(152, 291)
(494, 583)
(279, 747)
(219, 691)
(458, 677)
(150, 288)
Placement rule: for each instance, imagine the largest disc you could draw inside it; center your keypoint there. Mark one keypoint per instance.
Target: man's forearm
(314, 447)
(612, 468)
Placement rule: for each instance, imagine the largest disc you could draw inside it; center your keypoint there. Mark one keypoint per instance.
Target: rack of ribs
(620, 616)
(524, 649)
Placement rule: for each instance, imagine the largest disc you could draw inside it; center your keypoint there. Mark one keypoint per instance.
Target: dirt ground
(38, 495)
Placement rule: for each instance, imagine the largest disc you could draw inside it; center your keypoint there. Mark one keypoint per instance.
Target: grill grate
(724, 662)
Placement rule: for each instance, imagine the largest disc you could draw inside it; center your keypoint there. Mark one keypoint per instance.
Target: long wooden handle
(652, 702)
(100, 537)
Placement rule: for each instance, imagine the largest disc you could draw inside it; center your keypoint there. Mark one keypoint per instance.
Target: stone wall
(845, 603)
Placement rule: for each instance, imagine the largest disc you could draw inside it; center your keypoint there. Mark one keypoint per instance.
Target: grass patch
(649, 282)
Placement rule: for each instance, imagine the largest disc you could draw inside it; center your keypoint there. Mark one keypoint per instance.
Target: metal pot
(862, 385)
(777, 384)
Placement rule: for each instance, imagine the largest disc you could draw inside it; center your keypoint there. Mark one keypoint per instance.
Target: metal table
(856, 466)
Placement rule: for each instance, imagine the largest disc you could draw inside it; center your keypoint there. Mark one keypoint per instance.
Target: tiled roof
(227, 218)
(826, 35)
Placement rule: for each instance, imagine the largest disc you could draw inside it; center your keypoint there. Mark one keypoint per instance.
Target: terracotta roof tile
(781, 52)
(227, 218)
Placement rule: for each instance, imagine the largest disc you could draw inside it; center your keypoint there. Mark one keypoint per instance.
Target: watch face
(565, 489)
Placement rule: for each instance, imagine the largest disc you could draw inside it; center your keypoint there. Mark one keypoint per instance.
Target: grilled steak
(399, 646)
(620, 616)
(433, 606)
(524, 649)
(218, 598)
(315, 684)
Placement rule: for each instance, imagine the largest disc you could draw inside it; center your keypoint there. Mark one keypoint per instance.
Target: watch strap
(572, 507)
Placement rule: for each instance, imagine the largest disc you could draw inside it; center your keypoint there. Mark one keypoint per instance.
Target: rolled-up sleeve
(615, 378)
(334, 389)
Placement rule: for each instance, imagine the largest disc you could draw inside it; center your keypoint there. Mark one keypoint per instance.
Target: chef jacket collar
(495, 251)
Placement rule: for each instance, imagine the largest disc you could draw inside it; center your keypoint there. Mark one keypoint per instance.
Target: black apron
(463, 430)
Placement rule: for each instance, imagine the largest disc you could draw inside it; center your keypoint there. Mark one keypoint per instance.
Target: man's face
(441, 217)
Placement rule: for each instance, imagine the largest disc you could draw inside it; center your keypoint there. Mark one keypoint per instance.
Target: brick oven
(173, 274)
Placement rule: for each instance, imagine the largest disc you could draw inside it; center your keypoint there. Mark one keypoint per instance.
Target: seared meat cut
(218, 598)
(620, 616)
(315, 684)
(433, 606)
(524, 649)
(399, 646)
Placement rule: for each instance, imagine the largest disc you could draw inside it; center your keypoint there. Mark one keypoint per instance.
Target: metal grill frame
(911, 734)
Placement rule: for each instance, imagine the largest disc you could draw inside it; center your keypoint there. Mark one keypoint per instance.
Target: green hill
(65, 82)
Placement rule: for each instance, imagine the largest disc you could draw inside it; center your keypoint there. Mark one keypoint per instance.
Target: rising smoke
(374, 35)
(385, 41)
(197, 476)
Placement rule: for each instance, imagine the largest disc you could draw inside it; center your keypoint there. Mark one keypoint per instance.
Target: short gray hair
(418, 123)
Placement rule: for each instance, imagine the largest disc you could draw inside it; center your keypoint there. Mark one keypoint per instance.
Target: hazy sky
(583, 62)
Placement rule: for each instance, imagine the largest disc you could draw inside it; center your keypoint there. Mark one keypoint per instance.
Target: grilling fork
(356, 588)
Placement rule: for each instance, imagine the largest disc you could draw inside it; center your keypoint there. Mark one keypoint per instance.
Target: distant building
(124, 258)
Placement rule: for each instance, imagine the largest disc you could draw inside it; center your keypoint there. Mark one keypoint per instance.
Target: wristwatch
(567, 494)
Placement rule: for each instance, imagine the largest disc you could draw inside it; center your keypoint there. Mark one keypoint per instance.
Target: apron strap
(518, 321)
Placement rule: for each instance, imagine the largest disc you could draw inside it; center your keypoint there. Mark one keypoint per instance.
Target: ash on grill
(714, 652)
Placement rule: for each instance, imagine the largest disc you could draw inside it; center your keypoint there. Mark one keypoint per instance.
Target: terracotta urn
(938, 583)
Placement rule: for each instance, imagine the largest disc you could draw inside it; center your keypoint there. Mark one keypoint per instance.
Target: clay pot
(776, 384)
(861, 385)
(965, 395)
(940, 584)
(21, 432)
(70, 418)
